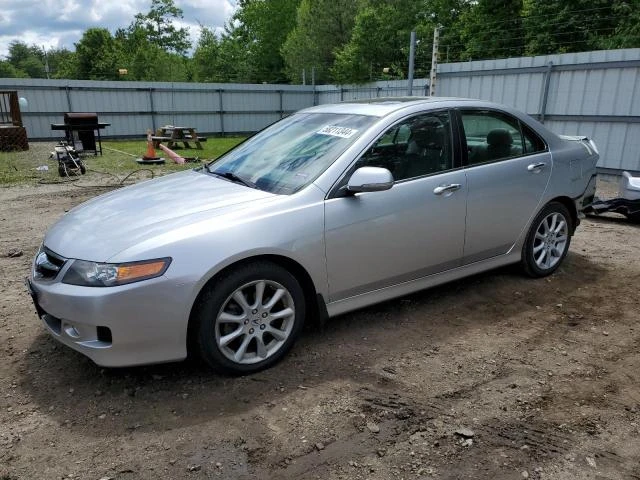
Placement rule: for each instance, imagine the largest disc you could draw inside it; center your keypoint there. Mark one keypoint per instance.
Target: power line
(555, 14)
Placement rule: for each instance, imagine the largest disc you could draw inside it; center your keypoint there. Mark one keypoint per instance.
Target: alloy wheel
(255, 321)
(550, 241)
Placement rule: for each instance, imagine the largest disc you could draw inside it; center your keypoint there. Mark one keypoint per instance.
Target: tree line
(330, 41)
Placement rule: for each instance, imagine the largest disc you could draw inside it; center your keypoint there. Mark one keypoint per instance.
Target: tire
(62, 171)
(83, 169)
(633, 217)
(238, 340)
(548, 241)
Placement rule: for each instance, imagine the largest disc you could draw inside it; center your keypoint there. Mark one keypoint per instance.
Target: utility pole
(434, 62)
(412, 54)
(46, 62)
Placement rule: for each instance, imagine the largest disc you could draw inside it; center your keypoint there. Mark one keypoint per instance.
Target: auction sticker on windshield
(336, 131)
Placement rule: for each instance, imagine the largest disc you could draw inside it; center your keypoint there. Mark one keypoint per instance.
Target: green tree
(19, 52)
(155, 64)
(380, 39)
(157, 24)
(261, 28)
(627, 31)
(559, 26)
(62, 63)
(97, 55)
(27, 60)
(322, 27)
(493, 29)
(9, 71)
(206, 57)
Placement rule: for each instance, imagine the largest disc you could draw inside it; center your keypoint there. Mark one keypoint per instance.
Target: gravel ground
(496, 376)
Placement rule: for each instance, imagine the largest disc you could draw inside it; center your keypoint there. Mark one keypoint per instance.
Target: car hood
(100, 228)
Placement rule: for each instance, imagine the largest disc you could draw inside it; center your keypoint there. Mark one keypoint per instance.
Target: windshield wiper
(234, 178)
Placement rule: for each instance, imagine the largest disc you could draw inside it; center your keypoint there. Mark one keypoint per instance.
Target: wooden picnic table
(174, 135)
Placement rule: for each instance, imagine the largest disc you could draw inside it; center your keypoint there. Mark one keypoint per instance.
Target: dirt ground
(540, 378)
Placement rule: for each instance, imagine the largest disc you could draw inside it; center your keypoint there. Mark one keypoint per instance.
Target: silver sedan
(326, 211)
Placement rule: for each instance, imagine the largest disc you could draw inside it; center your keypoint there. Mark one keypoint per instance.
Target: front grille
(48, 264)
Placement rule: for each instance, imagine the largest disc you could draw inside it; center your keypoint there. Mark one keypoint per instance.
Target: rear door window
(491, 136)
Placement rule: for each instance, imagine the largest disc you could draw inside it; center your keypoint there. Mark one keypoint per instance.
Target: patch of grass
(118, 158)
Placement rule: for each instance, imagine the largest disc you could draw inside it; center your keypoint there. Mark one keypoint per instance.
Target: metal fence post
(153, 110)
(545, 92)
(313, 82)
(68, 92)
(412, 49)
(220, 90)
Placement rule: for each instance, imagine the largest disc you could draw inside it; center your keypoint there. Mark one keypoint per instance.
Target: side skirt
(401, 289)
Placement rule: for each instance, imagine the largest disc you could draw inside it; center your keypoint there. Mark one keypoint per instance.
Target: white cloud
(60, 23)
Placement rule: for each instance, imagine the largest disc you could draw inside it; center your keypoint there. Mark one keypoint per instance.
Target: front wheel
(249, 318)
(548, 241)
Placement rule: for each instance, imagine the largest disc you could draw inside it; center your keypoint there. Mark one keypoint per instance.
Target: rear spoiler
(586, 141)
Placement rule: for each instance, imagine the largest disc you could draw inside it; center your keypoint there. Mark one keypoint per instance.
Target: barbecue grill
(80, 131)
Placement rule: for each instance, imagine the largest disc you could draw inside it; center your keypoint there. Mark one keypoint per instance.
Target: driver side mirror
(370, 179)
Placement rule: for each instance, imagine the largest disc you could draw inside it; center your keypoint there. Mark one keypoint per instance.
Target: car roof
(381, 106)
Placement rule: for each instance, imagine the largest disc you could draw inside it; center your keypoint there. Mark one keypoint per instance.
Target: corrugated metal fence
(133, 107)
(592, 93)
(596, 94)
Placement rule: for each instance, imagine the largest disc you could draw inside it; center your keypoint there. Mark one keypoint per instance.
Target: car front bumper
(134, 324)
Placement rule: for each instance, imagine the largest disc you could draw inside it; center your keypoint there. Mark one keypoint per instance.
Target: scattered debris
(464, 432)
(591, 461)
(14, 253)
(373, 428)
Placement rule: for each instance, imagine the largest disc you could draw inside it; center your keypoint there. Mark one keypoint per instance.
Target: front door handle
(536, 167)
(446, 188)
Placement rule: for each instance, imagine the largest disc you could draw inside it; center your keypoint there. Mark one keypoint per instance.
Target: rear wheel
(634, 217)
(249, 318)
(548, 241)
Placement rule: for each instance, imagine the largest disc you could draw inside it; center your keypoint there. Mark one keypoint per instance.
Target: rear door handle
(446, 188)
(535, 167)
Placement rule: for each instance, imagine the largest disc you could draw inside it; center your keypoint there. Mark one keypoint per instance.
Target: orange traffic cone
(151, 152)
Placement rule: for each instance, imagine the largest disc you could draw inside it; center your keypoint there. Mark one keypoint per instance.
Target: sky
(60, 23)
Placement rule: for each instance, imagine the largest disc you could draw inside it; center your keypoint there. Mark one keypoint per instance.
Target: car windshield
(291, 153)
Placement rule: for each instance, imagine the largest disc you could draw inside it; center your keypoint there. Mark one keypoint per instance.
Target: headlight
(91, 274)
